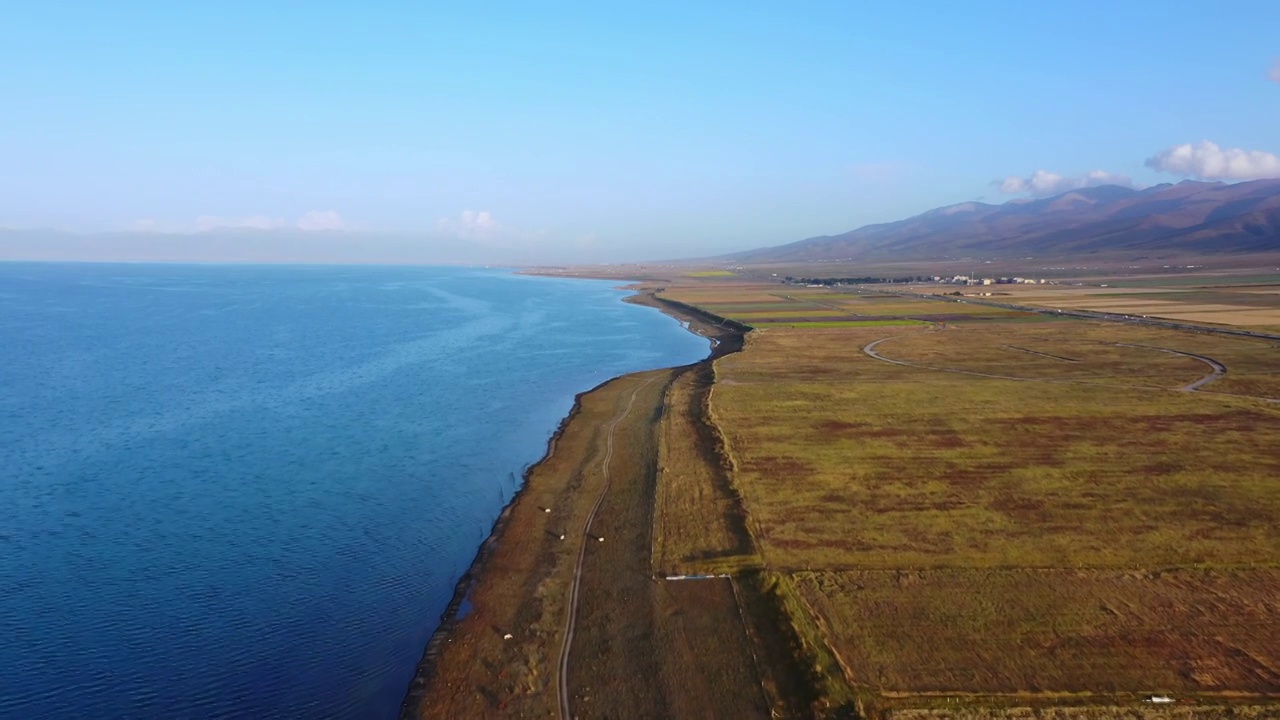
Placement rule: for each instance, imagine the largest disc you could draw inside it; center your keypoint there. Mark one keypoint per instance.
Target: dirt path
(572, 616)
(1041, 354)
(501, 657)
(641, 647)
(810, 301)
(870, 350)
(1218, 369)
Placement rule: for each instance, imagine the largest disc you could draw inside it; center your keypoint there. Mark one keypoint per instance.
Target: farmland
(1249, 302)
(889, 506)
(985, 509)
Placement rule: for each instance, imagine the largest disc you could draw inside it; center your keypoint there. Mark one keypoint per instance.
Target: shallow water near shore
(248, 491)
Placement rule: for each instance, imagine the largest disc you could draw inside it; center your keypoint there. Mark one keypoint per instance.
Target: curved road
(562, 680)
(1218, 368)
(1095, 315)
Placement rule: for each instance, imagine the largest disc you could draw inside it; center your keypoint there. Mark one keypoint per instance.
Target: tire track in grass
(562, 681)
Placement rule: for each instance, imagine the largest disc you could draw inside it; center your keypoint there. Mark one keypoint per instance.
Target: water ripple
(248, 492)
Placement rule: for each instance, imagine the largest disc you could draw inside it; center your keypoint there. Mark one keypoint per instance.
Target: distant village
(954, 280)
(970, 280)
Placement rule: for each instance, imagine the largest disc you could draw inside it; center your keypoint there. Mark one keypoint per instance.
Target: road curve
(562, 676)
(1218, 368)
(870, 350)
(1091, 315)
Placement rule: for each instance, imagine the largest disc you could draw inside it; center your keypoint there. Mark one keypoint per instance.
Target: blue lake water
(248, 491)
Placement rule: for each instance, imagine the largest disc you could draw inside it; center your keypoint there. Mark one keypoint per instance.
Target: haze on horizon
(575, 132)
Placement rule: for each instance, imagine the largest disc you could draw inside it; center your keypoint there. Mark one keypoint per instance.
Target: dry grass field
(698, 524)
(1007, 515)
(1116, 631)
(847, 461)
(1245, 305)
(1095, 712)
(762, 304)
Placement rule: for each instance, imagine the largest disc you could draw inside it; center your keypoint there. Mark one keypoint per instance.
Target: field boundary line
(751, 645)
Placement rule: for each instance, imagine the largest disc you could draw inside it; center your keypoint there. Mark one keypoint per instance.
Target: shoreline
(449, 619)
(725, 336)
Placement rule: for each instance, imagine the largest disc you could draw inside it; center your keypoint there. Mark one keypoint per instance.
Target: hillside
(1191, 217)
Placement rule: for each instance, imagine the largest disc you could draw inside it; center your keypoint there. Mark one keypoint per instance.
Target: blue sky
(591, 131)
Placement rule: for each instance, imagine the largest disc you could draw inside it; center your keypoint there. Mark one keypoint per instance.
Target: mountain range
(1187, 218)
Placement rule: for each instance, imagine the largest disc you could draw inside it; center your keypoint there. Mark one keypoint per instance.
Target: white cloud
(1274, 73)
(1207, 161)
(310, 221)
(470, 225)
(147, 225)
(321, 220)
(1043, 183)
(205, 223)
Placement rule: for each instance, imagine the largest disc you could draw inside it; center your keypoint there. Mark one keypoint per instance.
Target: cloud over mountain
(1206, 161)
(1043, 183)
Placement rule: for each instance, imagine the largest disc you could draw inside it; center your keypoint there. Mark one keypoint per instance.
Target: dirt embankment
(727, 336)
(643, 646)
(502, 655)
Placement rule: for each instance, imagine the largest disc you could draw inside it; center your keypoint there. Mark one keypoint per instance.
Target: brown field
(1245, 306)
(1135, 711)
(698, 524)
(1011, 513)
(727, 309)
(737, 293)
(799, 312)
(713, 675)
(1070, 353)
(771, 303)
(1005, 515)
(846, 461)
(1180, 631)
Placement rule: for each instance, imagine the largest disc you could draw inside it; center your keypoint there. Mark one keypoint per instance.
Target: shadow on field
(711, 446)
(791, 665)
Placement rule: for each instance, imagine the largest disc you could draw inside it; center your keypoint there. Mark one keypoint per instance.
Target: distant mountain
(1189, 217)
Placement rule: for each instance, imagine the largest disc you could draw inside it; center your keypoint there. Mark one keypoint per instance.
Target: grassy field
(759, 304)
(1180, 631)
(846, 461)
(844, 323)
(998, 514)
(698, 525)
(1238, 305)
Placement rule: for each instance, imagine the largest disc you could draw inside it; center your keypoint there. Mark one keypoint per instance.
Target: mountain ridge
(1190, 216)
